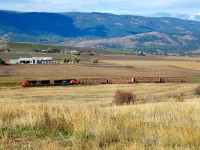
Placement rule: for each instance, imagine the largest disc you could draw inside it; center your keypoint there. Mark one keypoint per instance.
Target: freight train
(93, 81)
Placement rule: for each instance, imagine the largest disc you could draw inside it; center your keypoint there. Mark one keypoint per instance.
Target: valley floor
(164, 116)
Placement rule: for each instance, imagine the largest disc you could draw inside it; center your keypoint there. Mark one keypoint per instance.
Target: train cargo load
(173, 79)
(89, 81)
(122, 80)
(147, 79)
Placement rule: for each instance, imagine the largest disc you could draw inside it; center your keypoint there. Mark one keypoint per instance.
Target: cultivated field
(187, 63)
(109, 66)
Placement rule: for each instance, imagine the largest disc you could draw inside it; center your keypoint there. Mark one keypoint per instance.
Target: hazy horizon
(184, 9)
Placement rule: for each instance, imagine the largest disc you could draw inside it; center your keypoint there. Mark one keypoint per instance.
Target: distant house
(41, 50)
(140, 53)
(74, 52)
(44, 51)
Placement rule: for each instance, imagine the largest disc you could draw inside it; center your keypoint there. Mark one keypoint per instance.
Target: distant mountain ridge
(101, 30)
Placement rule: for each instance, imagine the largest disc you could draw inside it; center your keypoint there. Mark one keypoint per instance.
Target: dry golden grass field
(164, 116)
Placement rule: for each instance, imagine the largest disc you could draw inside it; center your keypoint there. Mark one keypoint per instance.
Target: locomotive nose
(25, 83)
(74, 81)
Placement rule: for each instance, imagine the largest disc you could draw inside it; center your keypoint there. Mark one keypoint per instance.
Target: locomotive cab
(25, 84)
(74, 81)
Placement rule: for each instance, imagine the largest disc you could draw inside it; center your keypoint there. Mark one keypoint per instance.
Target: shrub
(76, 59)
(54, 50)
(197, 90)
(65, 60)
(95, 60)
(124, 97)
(179, 98)
(1, 61)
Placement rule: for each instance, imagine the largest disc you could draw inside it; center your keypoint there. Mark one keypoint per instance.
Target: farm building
(13, 61)
(25, 60)
(41, 59)
(33, 60)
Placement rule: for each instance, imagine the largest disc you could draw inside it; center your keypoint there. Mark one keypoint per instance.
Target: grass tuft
(197, 90)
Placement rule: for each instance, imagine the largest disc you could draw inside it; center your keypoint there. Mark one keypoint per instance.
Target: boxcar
(147, 79)
(120, 80)
(89, 81)
(173, 79)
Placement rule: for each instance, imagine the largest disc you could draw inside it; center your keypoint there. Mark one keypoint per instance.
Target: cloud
(135, 7)
(195, 16)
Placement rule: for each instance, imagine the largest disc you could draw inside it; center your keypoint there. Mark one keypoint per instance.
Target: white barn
(26, 60)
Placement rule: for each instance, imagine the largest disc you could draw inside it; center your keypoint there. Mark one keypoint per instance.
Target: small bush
(197, 90)
(65, 60)
(1, 61)
(95, 60)
(76, 59)
(179, 98)
(124, 97)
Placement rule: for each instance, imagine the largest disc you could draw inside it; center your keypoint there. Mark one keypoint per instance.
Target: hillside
(101, 30)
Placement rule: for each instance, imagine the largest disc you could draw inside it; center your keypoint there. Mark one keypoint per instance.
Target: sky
(184, 9)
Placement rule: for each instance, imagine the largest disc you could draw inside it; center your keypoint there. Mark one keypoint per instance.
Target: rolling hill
(101, 30)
